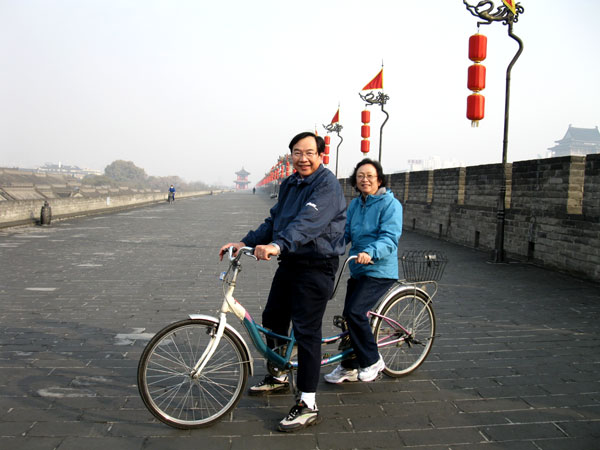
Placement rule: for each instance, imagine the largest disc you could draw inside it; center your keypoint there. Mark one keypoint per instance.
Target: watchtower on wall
(577, 141)
(242, 180)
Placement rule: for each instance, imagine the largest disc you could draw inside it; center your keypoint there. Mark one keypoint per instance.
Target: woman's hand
(363, 258)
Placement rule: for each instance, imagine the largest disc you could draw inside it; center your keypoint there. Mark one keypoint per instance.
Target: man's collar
(310, 178)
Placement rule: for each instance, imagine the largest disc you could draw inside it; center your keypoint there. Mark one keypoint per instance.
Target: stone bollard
(45, 214)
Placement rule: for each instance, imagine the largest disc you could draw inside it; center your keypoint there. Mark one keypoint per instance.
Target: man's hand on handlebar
(265, 252)
(225, 248)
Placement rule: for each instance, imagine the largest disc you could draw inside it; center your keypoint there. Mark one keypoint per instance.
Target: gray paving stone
(519, 431)
(587, 443)
(100, 443)
(438, 436)
(188, 443)
(31, 443)
(582, 428)
(362, 440)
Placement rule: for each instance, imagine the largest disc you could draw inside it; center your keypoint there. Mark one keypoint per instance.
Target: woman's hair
(319, 140)
(375, 164)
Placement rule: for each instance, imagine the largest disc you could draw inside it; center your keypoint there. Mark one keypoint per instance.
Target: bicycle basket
(423, 265)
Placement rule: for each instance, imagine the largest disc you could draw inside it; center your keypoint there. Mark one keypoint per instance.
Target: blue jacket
(308, 219)
(374, 226)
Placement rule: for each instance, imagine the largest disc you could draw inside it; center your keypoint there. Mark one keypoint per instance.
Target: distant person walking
(253, 190)
(172, 194)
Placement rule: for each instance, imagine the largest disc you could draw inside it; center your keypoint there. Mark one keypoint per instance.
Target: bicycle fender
(248, 355)
(398, 289)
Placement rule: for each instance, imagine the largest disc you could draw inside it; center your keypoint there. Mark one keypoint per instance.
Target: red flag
(336, 118)
(375, 83)
(510, 4)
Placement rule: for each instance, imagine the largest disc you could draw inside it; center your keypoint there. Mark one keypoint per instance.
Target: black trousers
(299, 294)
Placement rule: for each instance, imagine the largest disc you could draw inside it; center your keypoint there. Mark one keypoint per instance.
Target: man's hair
(375, 164)
(299, 137)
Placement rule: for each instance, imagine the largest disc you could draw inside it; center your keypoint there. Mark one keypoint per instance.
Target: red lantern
(365, 116)
(475, 108)
(327, 140)
(365, 145)
(365, 131)
(476, 78)
(325, 159)
(477, 47)
(327, 149)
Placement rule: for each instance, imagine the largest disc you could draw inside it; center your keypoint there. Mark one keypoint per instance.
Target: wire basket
(423, 265)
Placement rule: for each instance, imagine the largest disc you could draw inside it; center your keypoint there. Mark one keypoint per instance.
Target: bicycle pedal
(340, 322)
(345, 343)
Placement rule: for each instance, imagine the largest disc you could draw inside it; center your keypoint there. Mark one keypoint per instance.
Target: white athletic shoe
(371, 372)
(341, 374)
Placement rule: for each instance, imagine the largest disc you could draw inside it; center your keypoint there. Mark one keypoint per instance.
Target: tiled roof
(582, 134)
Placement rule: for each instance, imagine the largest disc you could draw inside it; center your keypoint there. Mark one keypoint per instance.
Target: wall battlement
(552, 209)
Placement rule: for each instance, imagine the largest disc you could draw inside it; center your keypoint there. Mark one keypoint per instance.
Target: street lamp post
(505, 15)
(335, 128)
(381, 99)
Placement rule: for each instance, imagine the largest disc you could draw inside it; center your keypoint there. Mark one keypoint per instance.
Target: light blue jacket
(374, 226)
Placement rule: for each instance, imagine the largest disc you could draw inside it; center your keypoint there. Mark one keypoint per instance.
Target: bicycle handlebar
(248, 251)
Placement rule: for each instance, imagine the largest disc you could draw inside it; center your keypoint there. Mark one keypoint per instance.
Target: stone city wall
(552, 209)
(27, 212)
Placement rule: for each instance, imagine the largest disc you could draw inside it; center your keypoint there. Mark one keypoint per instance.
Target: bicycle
(171, 197)
(194, 372)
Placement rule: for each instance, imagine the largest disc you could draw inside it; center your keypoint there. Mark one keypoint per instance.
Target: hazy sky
(201, 88)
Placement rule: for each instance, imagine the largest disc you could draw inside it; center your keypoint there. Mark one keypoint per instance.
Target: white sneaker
(341, 374)
(371, 372)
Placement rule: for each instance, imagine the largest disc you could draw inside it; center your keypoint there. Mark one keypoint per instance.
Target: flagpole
(508, 14)
(387, 116)
(381, 99)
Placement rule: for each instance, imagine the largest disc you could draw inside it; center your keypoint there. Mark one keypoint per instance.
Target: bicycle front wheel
(165, 383)
(405, 333)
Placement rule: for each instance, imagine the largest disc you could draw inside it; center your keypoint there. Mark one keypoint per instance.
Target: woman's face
(366, 179)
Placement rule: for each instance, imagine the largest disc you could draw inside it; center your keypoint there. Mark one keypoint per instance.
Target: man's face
(305, 157)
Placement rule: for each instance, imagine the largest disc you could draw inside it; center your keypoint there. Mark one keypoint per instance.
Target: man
(305, 230)
(172, 192)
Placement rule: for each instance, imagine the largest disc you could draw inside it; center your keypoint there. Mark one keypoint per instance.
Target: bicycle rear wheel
(165, 383)
(404, 351)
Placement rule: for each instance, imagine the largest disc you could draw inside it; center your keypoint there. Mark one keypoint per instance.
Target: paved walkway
(516, 364)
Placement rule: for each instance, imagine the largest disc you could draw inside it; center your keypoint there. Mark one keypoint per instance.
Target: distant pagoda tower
(242, 180)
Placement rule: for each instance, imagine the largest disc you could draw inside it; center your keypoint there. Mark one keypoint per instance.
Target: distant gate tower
(242, 180)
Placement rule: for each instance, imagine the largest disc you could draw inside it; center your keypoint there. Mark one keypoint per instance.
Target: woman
(373, 226)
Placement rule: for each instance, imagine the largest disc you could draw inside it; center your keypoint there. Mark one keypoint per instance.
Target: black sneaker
(300, 416)
(270, 384)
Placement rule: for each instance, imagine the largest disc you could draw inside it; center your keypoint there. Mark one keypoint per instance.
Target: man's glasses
(309, 154)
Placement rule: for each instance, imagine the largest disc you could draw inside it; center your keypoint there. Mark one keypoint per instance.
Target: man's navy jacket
(308, 220)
